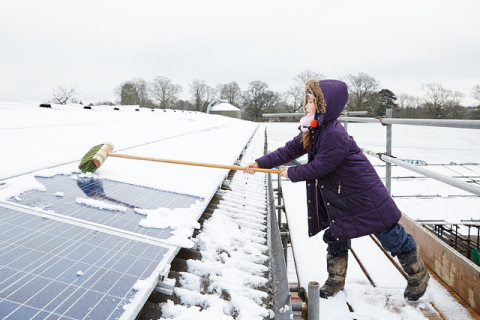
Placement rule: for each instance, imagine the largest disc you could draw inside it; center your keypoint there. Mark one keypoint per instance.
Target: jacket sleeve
(332, 151)
(291, 151)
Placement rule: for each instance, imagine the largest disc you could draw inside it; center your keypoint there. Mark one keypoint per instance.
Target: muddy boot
(418, 276)
(337, 270)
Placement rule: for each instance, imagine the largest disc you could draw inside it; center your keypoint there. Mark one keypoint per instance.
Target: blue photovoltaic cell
(121, 194)
(55, 270)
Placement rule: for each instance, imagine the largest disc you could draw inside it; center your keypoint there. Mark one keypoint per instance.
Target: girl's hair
(313, 86)
(306, 140)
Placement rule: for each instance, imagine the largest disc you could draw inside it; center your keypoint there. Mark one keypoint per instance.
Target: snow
(65, 134)
(141, 286)
(100, 204)
(46, 142)
(165, 217)
(224, 106)
(234, 253)
(19, 185)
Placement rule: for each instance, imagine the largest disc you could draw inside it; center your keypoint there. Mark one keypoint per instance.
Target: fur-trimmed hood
(330, 96)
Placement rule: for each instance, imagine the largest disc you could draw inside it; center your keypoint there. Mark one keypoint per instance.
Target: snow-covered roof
(40, 142)
(224, 106)
(43, 144)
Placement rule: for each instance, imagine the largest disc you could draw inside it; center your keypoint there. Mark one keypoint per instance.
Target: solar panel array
(75, 261)
(63, 191)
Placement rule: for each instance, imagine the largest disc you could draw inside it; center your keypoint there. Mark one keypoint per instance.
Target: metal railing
(283, 115)
(389, 159)
(449, 232)
(451, 123)
(310, 310)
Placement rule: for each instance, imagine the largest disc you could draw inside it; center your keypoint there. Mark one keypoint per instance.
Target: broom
(97, 155)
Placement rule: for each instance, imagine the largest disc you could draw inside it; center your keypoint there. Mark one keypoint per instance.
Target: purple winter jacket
(343, 189)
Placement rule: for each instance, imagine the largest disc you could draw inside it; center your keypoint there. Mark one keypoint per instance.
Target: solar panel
(63, 258)
(52, 269)
(63, 191)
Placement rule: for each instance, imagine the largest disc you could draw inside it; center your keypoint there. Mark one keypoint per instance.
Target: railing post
(313, 301)
(388, 173)
(279, 213)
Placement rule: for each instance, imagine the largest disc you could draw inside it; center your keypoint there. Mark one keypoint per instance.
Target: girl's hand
(248, 168)
(284, 173)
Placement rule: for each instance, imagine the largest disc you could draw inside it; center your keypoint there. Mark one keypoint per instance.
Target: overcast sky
(95, 45)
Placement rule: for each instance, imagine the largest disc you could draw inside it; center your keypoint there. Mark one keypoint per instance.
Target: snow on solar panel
(76, 250)
(104, 202)
(53, 269)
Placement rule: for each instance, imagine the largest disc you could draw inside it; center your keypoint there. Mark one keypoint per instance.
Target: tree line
(365, 94)
(258, 99)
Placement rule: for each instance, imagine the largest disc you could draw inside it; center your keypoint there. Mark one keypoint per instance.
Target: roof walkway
(375, 281)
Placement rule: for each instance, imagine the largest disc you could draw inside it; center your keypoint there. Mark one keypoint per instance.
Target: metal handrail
(451, 123)
(284, 115)
(388, 121)
(475, 189)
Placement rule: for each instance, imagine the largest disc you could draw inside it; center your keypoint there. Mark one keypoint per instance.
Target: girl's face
(311, 106)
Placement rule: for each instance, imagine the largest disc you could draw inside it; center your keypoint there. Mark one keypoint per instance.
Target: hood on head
(330, 95)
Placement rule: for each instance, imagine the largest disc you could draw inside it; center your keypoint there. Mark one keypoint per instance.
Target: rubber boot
(418, 276)
(337, 271)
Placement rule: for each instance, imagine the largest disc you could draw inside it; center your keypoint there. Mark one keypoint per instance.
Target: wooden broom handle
(190, 163)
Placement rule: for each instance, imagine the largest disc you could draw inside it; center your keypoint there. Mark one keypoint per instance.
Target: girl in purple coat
(344, 193)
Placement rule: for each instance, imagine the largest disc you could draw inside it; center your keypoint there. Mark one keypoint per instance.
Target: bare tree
(295, 94)
(303, 76)
(133, 92)
(408, 106)
(361, 91)
(294, 98)
(476, 92)
(62, 94)
(458, 112)
(231, 92)
(441, 103)
(284, 102)
(142, 90)
(184, 105)
(164, 92)
(258, 100)
(202, 94)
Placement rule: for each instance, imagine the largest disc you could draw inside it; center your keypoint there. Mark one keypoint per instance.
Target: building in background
(222, 107)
